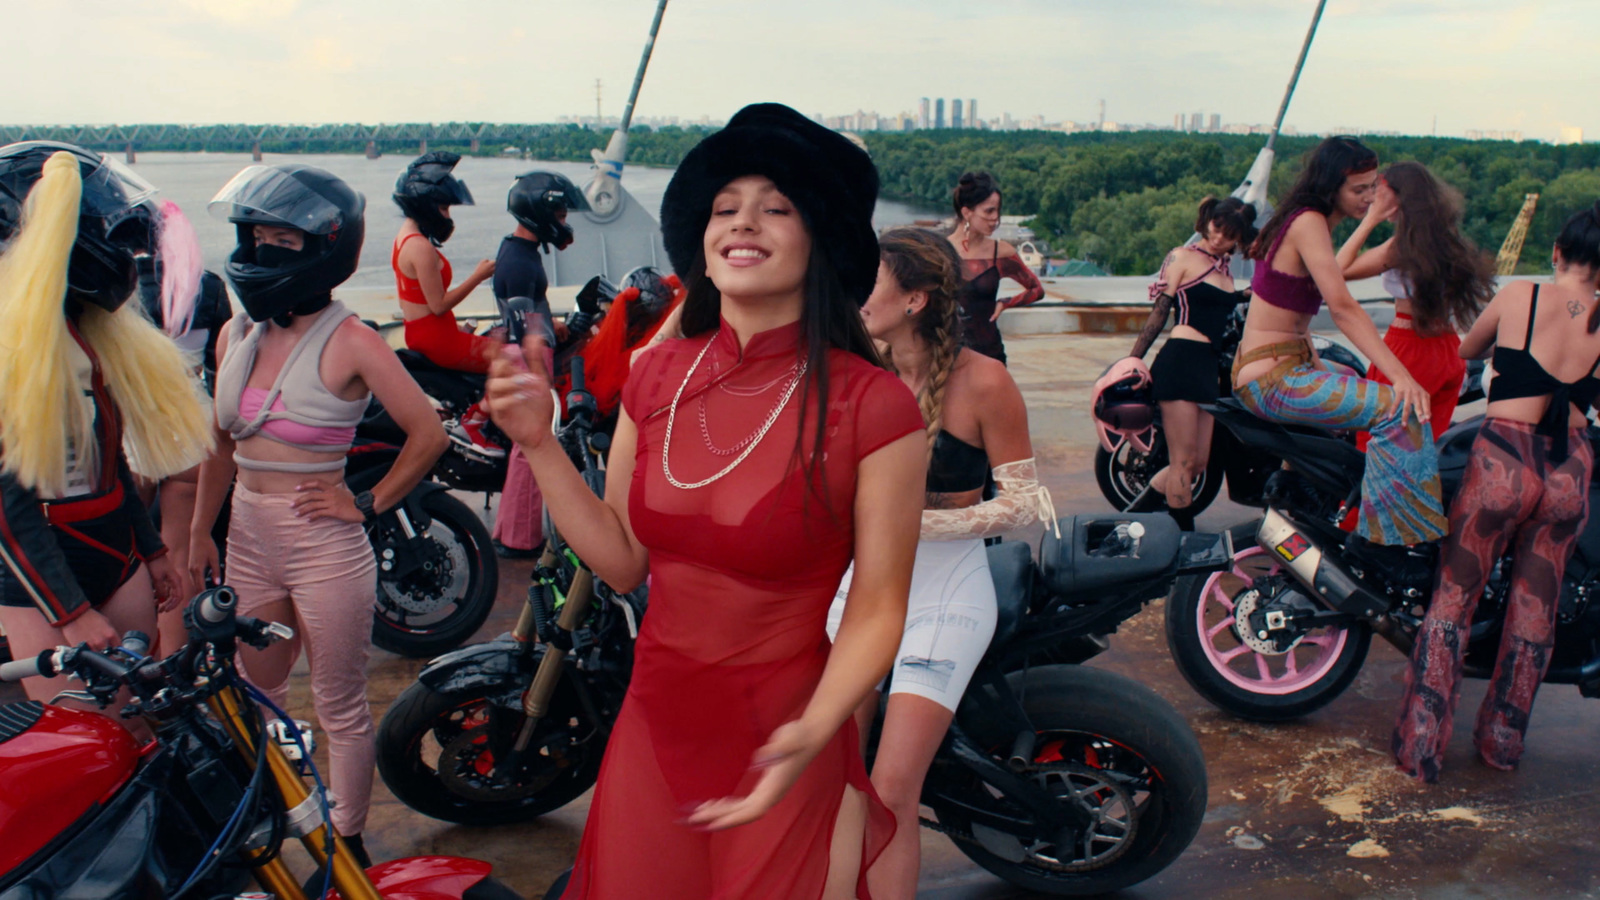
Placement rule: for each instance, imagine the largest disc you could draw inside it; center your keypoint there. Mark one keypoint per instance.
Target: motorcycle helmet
(114, 223)
(533, 201)
(426, 185)
(276, 282)
(1124, 406)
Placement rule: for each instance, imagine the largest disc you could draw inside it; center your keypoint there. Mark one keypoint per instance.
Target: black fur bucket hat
(829, 179)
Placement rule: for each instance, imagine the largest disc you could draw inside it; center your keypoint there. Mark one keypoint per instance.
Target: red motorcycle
(85, 811)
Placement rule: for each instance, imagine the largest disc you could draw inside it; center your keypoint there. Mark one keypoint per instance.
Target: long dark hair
(1450, 279)
(1579, 244)
(829, 319)
(1323, 174)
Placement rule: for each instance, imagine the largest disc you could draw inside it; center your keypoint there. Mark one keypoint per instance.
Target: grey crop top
(298, 410)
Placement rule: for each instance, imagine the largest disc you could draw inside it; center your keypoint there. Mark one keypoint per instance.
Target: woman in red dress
(752, 459)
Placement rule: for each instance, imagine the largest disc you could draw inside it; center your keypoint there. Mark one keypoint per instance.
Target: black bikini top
(1517, 374)
(956, 466)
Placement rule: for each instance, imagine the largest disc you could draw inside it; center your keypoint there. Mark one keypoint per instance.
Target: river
(191, 179)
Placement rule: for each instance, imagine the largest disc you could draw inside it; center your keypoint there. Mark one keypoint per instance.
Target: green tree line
(1123, 200)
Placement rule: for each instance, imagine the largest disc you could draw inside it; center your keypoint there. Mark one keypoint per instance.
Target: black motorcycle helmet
(426, 185)
(282, 283)
(114, 223)
(654, 292)
(533, 202)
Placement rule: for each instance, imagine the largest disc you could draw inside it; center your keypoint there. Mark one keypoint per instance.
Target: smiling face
(985, 217)
(1356, 194)
(755, 242)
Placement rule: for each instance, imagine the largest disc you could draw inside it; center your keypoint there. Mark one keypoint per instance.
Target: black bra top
(956, 465)
(1206, 308)
(1517, 374)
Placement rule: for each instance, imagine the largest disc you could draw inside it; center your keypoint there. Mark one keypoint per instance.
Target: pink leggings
(325, 568)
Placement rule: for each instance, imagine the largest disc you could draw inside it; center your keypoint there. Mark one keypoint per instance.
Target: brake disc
(1268, 641)
(439, 582)
(466, 769)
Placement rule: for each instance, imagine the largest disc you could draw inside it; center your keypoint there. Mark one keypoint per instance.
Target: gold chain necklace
(672, 417)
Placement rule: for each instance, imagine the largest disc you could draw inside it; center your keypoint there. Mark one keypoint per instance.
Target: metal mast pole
(644, 63)
(1283, 108)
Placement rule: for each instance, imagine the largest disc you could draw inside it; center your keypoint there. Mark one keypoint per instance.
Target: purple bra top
(1296, 293)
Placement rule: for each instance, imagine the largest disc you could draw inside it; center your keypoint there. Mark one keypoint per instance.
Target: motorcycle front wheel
(437, 606)
(438, 753)
(1107, 744)
(1124, 475)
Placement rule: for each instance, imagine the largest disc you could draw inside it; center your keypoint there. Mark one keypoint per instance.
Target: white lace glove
(1021, 500)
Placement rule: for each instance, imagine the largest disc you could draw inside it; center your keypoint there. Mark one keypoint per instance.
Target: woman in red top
(425, 192)
(986, 261)
(752, 459)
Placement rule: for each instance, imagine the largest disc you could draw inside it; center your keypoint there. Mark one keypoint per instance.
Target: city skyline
(1488, 65)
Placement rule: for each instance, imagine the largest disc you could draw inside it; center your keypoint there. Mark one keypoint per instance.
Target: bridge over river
(341, 138)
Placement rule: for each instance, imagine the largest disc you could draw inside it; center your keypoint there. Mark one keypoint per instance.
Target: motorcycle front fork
(536, 699)
(304, 812)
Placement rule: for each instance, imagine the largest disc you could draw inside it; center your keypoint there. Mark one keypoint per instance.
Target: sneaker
(504, 552)
(278, 732)
(470, 436)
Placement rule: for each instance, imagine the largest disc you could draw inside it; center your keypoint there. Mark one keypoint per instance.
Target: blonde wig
(165, 428)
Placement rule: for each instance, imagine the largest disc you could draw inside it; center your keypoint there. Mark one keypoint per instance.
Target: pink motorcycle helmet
(1123, 407)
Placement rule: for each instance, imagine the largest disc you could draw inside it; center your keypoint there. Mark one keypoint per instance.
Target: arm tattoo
(1159, 310)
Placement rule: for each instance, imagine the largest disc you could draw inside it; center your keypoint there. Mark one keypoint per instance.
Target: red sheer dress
(742, 572)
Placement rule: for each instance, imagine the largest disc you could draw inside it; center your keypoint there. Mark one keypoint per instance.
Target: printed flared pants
(1512, 496)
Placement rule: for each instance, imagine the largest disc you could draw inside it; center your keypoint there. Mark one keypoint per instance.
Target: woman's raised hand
(519, 392)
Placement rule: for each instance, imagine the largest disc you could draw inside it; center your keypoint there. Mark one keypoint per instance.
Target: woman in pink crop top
(297, 544)
(1278, 376)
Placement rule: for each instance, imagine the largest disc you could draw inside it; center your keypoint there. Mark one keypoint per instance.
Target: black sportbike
(1286, 628)
(1124, 476)
(1055, 776)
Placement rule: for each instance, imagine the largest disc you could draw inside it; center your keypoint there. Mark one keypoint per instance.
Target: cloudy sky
(1377, 64)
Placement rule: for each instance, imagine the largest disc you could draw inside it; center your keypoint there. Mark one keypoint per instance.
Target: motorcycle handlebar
(41, 666)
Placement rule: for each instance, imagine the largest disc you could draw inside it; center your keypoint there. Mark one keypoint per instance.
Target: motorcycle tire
(1262, 688)
(1092, 720)
(425, 729)
(465, 539)
(1123, 476)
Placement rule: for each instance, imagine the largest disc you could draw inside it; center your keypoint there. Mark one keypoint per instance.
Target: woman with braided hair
(976, 421)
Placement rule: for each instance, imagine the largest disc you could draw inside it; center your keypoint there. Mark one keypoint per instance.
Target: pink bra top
(1296, 293)
(336, 438)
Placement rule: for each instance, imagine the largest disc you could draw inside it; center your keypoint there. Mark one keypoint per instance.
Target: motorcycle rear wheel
(1091, 724)
(1122, 477)
(1221, 668)
(461, 536)
(436, 753)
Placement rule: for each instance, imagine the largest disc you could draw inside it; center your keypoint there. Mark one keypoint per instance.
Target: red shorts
(442, 341)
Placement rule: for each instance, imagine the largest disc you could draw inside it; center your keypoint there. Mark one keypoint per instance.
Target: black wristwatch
(364, 503)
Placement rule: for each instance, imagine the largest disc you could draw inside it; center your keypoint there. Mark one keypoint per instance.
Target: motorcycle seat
(1330, 461)
(16, 718)
(1011, 568)
(1068, 568)
(416, 362)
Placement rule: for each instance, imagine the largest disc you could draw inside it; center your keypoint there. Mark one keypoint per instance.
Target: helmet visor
(115, 179)
(267, 195)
